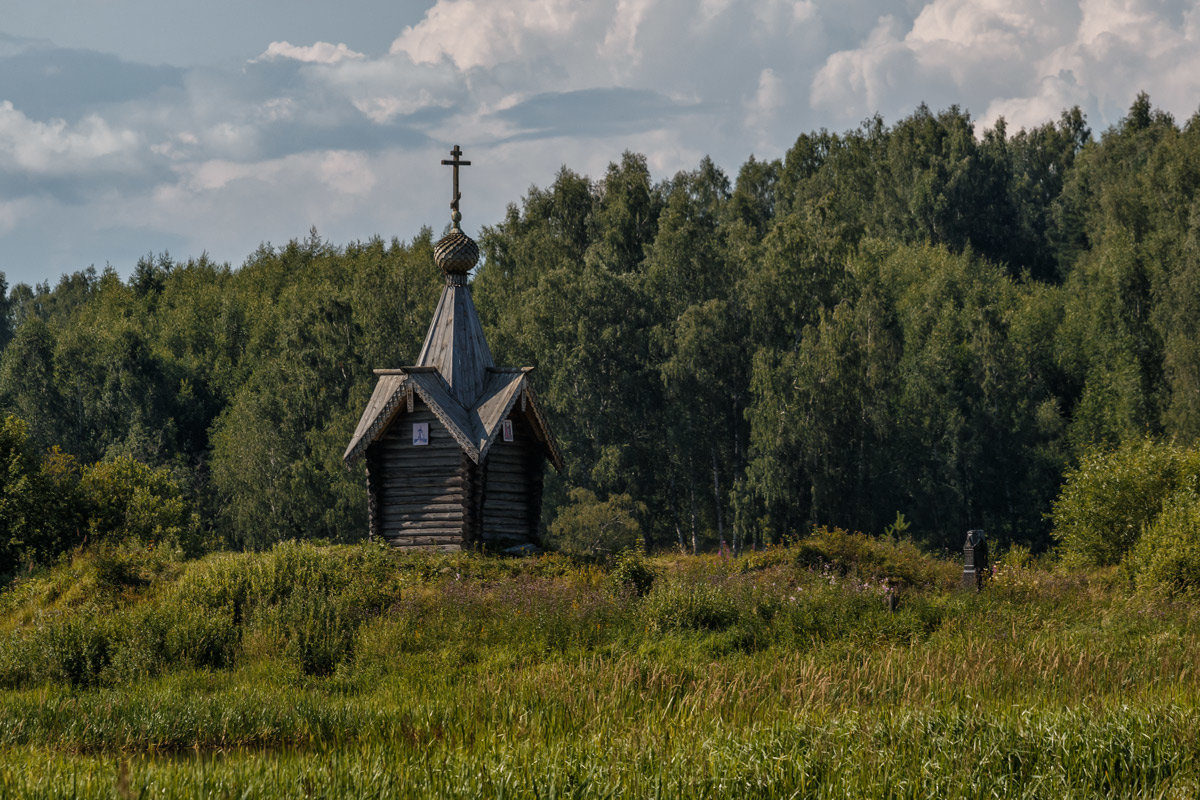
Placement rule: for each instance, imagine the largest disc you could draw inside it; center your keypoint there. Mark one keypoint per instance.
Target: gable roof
(504, 388)
(456, 377)
(378, 414)
(475, 428)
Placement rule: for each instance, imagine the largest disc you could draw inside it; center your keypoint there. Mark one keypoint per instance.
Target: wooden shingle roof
(377, 416)
(475, 428)
(455, 344)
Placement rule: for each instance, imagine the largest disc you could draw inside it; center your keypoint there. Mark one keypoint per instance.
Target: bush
(50, 504)
(631, 573)
(1167, 556)
(125, 499)
(900, 563)
(20, 659)
(298, 601)
(307, 629)
(593, 528)
(1112, 495)
(113, 614)
(39, 509)
(77, 650)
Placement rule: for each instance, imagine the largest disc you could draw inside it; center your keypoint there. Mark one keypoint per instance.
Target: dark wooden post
(975, 560)
(374, 520)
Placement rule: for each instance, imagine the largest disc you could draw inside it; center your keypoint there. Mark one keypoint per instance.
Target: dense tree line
(910, 325)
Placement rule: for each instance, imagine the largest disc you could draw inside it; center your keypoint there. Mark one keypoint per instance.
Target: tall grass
(830, 668)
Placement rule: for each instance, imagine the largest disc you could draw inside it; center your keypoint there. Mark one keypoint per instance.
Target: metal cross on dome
(455, 162)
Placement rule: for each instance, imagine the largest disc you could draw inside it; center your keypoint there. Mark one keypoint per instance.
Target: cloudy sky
(136, 126)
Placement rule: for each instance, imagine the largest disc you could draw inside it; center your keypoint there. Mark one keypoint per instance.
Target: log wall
(512, 487)
(418, 494)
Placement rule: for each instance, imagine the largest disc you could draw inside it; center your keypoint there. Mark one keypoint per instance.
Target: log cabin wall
(419, 490)
(512, 488)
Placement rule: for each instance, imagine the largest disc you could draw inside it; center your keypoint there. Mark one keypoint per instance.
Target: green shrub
(97, 645)
(39, 507)
(118, 569)
(51, 504)
(200, 637)
(631, 573)
(297, 600)
(1112, 495)
(1167, 556)
(125, 499)
(593, 528)
(380, 644)
(20, 659)
(899, 562)
(76, 650)
(108, 575)
(318, 634)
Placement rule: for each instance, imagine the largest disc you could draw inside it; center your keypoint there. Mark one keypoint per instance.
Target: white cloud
(333, 136)
(317, 53)
(1052, 95)
(1023, 59)
(854, 83)
(619, 45)
(339, 192)
(384, 108)
(484, 33)
(768, 100)
(54, 147)
(346, 173)
(278, 109)
(342, 172)
(385, 88)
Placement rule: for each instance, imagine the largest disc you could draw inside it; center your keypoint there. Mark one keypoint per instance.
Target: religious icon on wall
(420, 433)
(506, 430)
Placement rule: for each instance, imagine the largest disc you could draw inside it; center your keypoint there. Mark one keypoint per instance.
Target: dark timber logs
(419, 486)
(433, 494)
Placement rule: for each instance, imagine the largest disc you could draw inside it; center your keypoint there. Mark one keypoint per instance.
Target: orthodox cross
(456, 162)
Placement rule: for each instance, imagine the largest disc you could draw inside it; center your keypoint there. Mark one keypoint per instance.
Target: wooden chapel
(455, 447)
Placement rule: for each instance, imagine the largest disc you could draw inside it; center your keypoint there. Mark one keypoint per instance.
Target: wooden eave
(500, 393)
(447, 409)
(475, 429)
(547, 437)
(509, 385)
(377, 416)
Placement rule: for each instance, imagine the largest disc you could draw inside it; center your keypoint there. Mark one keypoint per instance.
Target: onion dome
(456, 253)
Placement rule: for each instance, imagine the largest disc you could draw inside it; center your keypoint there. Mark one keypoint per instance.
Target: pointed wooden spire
(455, 344)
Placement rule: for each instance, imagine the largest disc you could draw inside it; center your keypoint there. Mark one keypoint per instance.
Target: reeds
(351, 671)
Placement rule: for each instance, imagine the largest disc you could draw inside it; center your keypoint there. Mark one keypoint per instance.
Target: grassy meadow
(837, 666)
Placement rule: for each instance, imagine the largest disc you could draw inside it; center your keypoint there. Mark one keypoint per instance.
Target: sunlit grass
(355, 672)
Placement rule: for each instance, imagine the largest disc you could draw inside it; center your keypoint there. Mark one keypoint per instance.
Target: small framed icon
(506, 430)
(420, 434)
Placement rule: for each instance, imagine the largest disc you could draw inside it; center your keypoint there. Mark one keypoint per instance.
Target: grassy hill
(836, 666)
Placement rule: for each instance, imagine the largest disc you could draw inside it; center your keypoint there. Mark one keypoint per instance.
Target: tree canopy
(918, 319)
